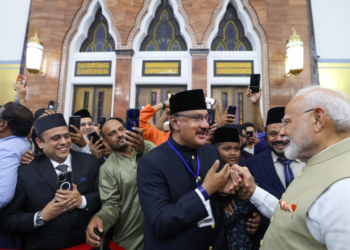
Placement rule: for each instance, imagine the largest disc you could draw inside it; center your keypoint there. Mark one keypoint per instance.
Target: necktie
(288, 174)
(62, 167)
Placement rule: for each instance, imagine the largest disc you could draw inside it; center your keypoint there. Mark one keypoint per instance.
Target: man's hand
(91, 238)
(135, 140)
(249, 184)
(253, 97)
(215, 105)
(211, 133)
(226, 119)
(54, 209)
(254, 223)
(21, 90)
(232, 184)
(229, 207)
(96, 148)
(214, 181)
(77, 138)
(252, 140)
(62, 195)
(27, 157)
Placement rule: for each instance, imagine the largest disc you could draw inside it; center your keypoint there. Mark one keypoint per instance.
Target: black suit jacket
(170, 204)
(36, 187)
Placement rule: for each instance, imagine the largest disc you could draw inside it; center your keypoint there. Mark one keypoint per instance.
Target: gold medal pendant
(199, 178)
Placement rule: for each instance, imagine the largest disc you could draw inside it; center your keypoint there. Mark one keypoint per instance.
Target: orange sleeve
(149, 132)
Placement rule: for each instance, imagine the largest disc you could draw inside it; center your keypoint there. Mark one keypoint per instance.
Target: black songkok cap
(48, 122)
(187, 100)
(275, 115)
(83, 113)
(236, 126)
(38, 113)
(226, 134)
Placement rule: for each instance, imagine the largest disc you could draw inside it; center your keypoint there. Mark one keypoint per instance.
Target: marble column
(122, 83)
(199, 69)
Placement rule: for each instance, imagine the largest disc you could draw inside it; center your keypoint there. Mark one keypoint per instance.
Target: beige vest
(289, 230)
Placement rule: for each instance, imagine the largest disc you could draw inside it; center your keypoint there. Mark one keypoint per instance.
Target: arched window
(98, 40)
(231, 33)
(164, 32)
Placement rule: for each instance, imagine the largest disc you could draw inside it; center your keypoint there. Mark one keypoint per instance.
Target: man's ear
(173, 120)
(39, 142)
(3, 125)
(319, 116)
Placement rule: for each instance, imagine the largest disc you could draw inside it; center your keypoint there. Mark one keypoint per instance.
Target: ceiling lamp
(35, 49)
(295, 54)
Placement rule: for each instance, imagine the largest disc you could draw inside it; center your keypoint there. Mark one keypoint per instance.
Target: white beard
(300, 146)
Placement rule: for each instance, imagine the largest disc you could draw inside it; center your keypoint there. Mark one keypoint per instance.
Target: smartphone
(75, 121)
(232, 110)
(22, 80)
(52, 106)
(255, 83)
(101, 121)
(212, 113)
(132, 119)
(99, 234)
(211, 101)
(65, 181)
(95, 138)
(250, 134)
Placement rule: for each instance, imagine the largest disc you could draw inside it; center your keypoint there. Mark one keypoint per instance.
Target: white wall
(13, 24)
(331, 25)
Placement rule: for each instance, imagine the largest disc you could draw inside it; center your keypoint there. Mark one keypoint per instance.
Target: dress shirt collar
(66, 162)
(179, 147)
(275, 157)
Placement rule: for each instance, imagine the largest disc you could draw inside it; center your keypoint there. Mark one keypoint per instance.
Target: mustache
(279, 143)
(202, 130)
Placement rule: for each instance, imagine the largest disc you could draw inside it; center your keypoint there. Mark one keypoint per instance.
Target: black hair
(171, 127)
(244, 128)
(18, 117)
(112, 118)
(249, 124)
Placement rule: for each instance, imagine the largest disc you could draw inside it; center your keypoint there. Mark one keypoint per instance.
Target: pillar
(199, 69)
(122, 83)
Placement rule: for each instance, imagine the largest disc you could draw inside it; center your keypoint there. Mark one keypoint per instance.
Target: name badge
(208, 221)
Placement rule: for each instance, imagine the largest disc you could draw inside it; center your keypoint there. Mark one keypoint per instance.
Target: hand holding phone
(132, 119)
(99, 234)
(75, 121)
(250, 134)
(65, 181)
(231, 110)
(22, 80)
(52, 106)
(211, 101)
(95, 138)
(211, 112)
(255, 83)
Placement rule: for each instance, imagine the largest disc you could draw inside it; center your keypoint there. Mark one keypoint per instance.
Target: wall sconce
(35, 49)
(295, 55)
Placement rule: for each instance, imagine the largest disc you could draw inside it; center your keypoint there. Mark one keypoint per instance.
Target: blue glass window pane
(241, 48)
(176, 47)
(89, 49)
(221, 47)
(100, 38)
(151, 47)
(230, 36)
(164, 35)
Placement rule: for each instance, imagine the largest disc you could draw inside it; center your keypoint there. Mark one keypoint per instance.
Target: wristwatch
(39, 221)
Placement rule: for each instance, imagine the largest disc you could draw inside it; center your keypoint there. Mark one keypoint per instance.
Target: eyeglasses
(83, 124)
(284, 122)
(198, 118)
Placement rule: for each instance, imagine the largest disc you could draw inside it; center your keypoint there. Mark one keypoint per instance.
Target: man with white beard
(313, 213)
(271, 169)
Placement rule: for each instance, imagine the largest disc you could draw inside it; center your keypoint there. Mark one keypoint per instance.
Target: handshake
(230, 180)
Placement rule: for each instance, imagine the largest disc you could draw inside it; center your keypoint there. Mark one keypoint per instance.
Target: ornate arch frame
(66, 47)
(263, 42)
